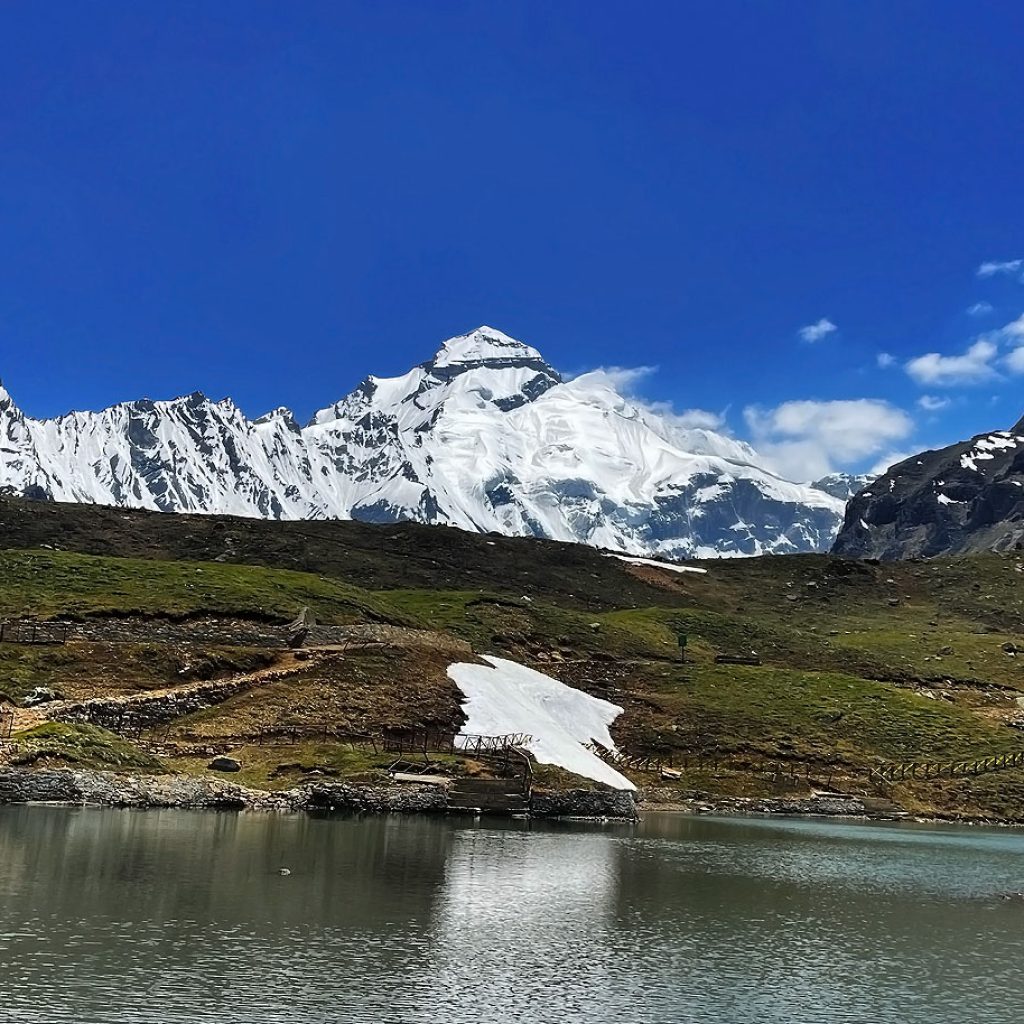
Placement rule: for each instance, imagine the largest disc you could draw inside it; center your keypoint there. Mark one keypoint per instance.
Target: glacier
(485, 436)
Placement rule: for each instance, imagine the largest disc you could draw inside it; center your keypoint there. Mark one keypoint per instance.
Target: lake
(183, 917)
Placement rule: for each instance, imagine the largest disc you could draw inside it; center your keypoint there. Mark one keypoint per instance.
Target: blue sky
(271, 200)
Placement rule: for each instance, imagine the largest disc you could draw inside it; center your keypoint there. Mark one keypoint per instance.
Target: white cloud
(805, 440)
(993, 267)
(980, 309)
(1014, 362)
(623, 380)
(887, 460)
(932, 403)
(1013, 332)
(973, 366)
(688, 419)
(618, 378)
(815, 332)
(885, 360)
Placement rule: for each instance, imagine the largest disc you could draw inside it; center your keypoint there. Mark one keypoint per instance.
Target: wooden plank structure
(6, 724)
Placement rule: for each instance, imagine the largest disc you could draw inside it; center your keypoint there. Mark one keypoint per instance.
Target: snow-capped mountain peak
(479, 369)
(484, 436)
(484, 345)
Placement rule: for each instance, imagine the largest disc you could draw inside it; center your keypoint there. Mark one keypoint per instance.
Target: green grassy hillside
(860, 663)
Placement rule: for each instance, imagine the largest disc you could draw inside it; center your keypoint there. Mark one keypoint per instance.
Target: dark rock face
(968, 497)
(738, 518)
(843, 485)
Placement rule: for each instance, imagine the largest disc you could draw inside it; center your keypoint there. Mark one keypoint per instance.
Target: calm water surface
(182, 917)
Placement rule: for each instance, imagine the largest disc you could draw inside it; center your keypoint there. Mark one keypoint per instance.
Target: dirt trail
(159, 705)
(143, 708)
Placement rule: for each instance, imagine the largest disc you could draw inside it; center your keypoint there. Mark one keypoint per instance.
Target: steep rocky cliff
(963, 498)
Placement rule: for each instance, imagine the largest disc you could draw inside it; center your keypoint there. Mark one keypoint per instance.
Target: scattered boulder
(299, 627)
(40, 695)
(225, 764)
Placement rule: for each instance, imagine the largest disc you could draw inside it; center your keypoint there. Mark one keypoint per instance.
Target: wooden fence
(898, 771)
(466, 743)
(25, 631)
(425, 741)
(618, 759)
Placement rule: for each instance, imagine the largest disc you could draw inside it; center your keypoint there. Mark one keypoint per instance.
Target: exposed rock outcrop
(968, 497)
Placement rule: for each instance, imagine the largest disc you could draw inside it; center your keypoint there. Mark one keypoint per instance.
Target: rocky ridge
(485, 436)
(967, 497)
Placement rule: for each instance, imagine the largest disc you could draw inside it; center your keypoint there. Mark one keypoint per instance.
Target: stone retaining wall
(145, 710)
(108, 789)
(584, 803)
(380, 633)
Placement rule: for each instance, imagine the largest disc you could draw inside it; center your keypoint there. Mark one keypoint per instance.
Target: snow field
(505, 697)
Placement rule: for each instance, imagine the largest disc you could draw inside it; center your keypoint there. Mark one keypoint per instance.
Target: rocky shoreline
(109, 789)
(69, 787)
(814, 806)
(819, 807)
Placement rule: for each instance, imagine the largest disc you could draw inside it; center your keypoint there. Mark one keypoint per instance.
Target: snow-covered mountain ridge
(484, 436)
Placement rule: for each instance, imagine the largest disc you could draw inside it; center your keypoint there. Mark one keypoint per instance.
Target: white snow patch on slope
(984, 446)
(505, 697)
(658, 565)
